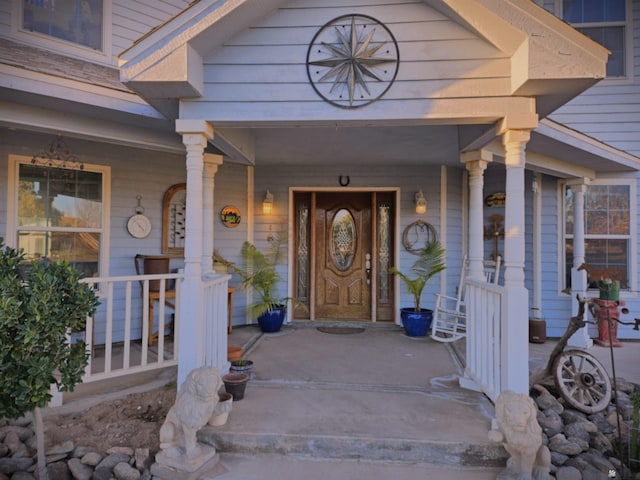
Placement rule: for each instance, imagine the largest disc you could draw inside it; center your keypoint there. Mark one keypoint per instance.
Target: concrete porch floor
(370, 404)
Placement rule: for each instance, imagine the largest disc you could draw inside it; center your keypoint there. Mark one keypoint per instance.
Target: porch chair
(154, 264)
(449, 315)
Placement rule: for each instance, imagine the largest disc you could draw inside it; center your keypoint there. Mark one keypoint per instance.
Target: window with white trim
(605, 22)
(60, 213)
(78, 22)
(608, 227)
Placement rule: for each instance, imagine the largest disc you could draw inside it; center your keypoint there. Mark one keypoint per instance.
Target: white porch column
(578, 278)
(515, 324)
(476, 163)
(211, 163)
(195, 134)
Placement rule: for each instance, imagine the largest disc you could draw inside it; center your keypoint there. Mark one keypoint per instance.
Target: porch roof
(549, 64)
(550, 60)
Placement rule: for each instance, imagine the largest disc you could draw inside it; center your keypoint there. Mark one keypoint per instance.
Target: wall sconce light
(267, 203)
(421, 203)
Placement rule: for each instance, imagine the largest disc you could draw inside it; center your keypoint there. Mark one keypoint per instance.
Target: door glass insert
(303, 252)
(384, 247)
(343, 239)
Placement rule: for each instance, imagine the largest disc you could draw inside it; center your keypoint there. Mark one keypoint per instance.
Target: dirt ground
(132, 421)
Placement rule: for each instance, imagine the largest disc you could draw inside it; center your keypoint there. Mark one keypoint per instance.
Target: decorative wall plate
(352, 60)
(498, 199)
(230, 216)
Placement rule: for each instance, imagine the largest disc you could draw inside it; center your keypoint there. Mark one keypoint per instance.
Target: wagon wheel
(582, 381)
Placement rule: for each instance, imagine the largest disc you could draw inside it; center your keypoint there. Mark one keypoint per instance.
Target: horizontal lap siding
(610, 111)
(231, 189)
(5, 17)
(266, 64)
(131, 20)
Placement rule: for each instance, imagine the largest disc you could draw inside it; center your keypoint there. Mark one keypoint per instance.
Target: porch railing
(485, 303)
(117, 336)
(216, 305)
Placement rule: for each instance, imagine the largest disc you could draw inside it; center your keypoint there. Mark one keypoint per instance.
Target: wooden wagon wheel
(582, 381)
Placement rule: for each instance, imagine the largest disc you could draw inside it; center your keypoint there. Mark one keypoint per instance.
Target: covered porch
(234, 100)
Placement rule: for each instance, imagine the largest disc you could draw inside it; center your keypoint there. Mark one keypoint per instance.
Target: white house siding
(452, 230)
(131, 20)
(261, 72)
(610, 110)
(5, 15)
(231, 189)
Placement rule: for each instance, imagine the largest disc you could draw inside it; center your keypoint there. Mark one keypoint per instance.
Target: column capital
(188, 126)
(574, 183)
(482, 157)
(518, 121)
(213, 159)
(515, 136)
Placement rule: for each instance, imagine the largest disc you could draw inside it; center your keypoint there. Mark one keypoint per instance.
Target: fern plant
(259, 272)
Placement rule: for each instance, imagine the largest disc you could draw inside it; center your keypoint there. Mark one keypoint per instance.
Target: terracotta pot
(222, 410)
(235, 384)
(234, 353)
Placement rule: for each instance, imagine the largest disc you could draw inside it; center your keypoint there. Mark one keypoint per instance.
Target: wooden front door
(343, 256)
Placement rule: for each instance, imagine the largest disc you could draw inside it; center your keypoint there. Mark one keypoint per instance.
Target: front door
(343, 256)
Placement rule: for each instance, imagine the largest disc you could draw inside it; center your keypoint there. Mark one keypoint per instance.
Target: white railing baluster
(126, 363)
(108, 342)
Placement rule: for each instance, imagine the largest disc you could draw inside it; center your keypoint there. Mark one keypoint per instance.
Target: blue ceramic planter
(271, 321)
(416, 324)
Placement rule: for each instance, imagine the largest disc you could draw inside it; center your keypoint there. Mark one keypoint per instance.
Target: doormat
(341, 330)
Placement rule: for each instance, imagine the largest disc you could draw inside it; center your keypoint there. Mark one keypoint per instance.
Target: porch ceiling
(357, 146)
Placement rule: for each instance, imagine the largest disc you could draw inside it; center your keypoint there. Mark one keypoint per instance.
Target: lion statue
(520, 434)
(192, 409)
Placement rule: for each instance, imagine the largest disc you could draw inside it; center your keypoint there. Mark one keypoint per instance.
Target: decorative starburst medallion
(352, 60)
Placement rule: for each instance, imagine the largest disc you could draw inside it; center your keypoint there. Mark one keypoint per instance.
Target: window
(604, 21)
(607, 225)
(60, 213)
(76, 21)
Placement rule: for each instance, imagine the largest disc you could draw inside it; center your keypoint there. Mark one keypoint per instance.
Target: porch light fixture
(421, 203)
(267, 203)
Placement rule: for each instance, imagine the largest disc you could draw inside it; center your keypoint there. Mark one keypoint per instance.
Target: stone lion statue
(192, 409)
(520, 434)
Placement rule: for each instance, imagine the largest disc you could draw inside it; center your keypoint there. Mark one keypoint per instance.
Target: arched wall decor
(173, 219)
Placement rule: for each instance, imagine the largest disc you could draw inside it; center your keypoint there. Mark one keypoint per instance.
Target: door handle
(367, 267)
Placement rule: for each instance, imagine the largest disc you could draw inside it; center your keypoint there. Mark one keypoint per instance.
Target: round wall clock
(139, 226)
(352, 60)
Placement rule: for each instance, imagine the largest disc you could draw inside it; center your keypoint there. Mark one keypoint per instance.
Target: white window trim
(12, 207)
(633, 236)
(628, 32)
(63, 47)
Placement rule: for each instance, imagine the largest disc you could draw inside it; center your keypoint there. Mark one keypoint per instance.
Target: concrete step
(277, 467)
(436, 425)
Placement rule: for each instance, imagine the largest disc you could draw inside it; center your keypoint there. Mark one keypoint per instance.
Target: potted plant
(259, 272)
(417, 320)
(220, 265)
